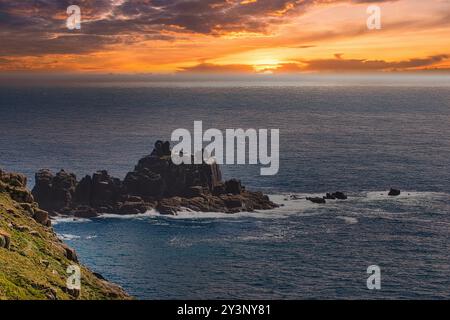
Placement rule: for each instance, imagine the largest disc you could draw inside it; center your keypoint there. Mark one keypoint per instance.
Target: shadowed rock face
(54, 191)
(155, 182)
(15, 185)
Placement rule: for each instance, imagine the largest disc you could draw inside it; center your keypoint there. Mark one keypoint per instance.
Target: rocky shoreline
(33, 259)
(155, 183)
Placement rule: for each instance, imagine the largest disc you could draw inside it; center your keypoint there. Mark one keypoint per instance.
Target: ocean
(359, 137)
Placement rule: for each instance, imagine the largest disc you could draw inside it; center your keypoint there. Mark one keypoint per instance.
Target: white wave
(291, 204)
(348, 220)
(67, 236)
(383, 195)
(147, 214)
(65, 219)
(187, 214)
(297, 205)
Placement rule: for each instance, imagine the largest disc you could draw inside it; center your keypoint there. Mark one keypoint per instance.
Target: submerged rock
(340, 195)
(336, 195)
(329, 196)
(42, 217)
(70, 253)
(15, 185)
(316, 200)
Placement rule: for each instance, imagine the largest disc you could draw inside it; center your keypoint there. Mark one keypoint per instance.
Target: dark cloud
(39, 27)
(348, 65)
(35, 27)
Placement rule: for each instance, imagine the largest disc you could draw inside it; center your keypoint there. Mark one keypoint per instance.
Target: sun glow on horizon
(233, 36)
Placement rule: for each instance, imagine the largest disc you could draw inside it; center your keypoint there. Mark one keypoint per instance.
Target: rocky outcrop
(33, 261)
(394, 192)
(329, 196)
(15, 185)
(339, 195)
(155, 182)
(317, 200)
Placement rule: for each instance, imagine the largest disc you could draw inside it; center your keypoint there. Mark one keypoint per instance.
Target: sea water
(360, 138)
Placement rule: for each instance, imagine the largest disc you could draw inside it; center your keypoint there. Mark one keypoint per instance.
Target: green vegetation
(33, 261)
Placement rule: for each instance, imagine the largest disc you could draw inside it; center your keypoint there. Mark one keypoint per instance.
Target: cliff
(33, 261)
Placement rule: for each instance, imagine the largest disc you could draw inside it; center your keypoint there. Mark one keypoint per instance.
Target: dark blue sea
(360, 137)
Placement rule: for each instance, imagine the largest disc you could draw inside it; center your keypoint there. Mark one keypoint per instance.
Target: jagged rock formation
(33, 261)
(317, 200)
(15, 185)
(155, 182)
(329, 196)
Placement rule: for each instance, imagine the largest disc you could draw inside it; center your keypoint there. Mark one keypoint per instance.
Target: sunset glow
(256, 36)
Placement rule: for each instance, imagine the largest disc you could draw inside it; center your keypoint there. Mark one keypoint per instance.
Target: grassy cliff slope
(33, 261)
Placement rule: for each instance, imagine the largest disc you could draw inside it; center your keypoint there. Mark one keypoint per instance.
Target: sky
(224, 36)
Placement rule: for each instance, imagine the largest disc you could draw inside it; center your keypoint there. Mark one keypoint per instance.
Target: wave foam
(67, 236)
(291, 204)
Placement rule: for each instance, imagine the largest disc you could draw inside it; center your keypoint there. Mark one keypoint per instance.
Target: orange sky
(252, 36)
